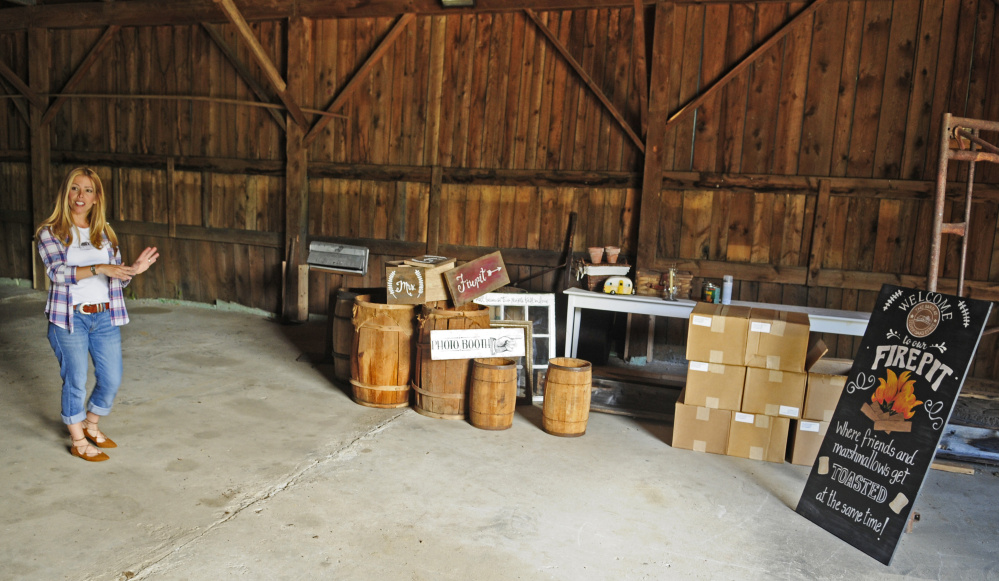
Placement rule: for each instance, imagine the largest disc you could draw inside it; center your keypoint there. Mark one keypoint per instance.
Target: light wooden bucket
(492, 393)
(441, 387)
(381, 353)
(343, 326)
(567, 396)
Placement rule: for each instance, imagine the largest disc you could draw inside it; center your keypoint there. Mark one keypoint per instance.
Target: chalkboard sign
(912, 363)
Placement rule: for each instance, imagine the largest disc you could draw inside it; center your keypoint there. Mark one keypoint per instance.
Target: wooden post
(41, 140)
(655, 139)
(818, 234)
(171, 184)
(641, 72)
(434, 211)
(296, 175)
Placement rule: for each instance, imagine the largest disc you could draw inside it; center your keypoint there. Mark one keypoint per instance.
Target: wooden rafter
(260, 55)
(697, 101)
(599, 94)
(81, 72)
(242, 70)
(360, 75)
(20, 86)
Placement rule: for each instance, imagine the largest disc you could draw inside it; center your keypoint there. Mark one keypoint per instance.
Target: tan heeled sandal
(100, 440)
(75, 450)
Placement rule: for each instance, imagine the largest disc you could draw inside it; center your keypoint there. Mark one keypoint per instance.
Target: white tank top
(81, 252)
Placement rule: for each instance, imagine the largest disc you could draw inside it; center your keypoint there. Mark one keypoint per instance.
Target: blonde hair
(60, 222)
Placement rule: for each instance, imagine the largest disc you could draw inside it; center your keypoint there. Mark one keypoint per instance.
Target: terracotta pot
(612, 252)
(596, 254)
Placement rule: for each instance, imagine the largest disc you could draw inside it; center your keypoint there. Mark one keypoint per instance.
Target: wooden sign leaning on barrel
(474, 279)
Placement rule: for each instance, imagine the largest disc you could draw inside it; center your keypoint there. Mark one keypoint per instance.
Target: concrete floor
(240, 459)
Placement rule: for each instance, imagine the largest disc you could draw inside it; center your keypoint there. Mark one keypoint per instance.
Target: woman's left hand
(145, 260)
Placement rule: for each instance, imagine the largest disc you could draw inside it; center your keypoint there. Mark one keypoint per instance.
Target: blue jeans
(96, 335)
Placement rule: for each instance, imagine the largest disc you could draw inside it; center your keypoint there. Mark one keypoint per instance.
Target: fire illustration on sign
(893, 403)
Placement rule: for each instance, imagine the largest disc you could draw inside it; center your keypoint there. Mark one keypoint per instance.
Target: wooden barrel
(343, 327)
(381, 353)
(567, 396)
(441, 387)
(492, 393)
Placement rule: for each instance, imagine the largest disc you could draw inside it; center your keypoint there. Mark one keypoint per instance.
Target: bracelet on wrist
(93, 269)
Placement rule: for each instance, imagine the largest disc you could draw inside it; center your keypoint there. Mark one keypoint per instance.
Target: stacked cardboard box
(750, 364)
(826, 380)
(716, 351)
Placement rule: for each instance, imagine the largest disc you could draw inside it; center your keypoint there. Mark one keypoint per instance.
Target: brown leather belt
(91, 308)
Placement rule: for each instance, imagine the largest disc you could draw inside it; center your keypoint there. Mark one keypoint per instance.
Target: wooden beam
(182, 232)
(41, 140)
(641, 73)
(18, 100)
(20, 86)
(776, 37)
(655, 139)
(597, 92)
(171, 186)
(81, 72)
(360, 75)
(882, 189)
(262, 59)
(296, 172)
(818, 233)
(241, 102)
(81, 14)
(243, 71)
(434, 211)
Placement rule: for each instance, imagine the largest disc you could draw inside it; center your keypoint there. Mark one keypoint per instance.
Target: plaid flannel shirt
(59, 306)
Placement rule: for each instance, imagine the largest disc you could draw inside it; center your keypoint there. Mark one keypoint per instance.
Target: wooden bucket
(343, 326)
(567, 396)
(381, 353)
(492, 393)
(441, 387)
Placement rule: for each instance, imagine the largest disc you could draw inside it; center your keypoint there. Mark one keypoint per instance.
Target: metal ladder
(960, 141)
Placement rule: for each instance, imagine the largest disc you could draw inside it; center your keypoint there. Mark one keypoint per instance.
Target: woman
(85, 306)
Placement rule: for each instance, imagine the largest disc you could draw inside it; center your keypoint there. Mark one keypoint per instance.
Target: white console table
(822, 320)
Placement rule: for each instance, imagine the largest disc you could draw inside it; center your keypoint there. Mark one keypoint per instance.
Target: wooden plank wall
(479, 91)
(853, 94)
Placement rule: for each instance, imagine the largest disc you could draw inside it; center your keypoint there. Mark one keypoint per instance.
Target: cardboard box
(773, 392)
(806, 439)
(777, 340)
(700, 429)
(717, 334)
(826, 380)
(714, 385)
(758, 437)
